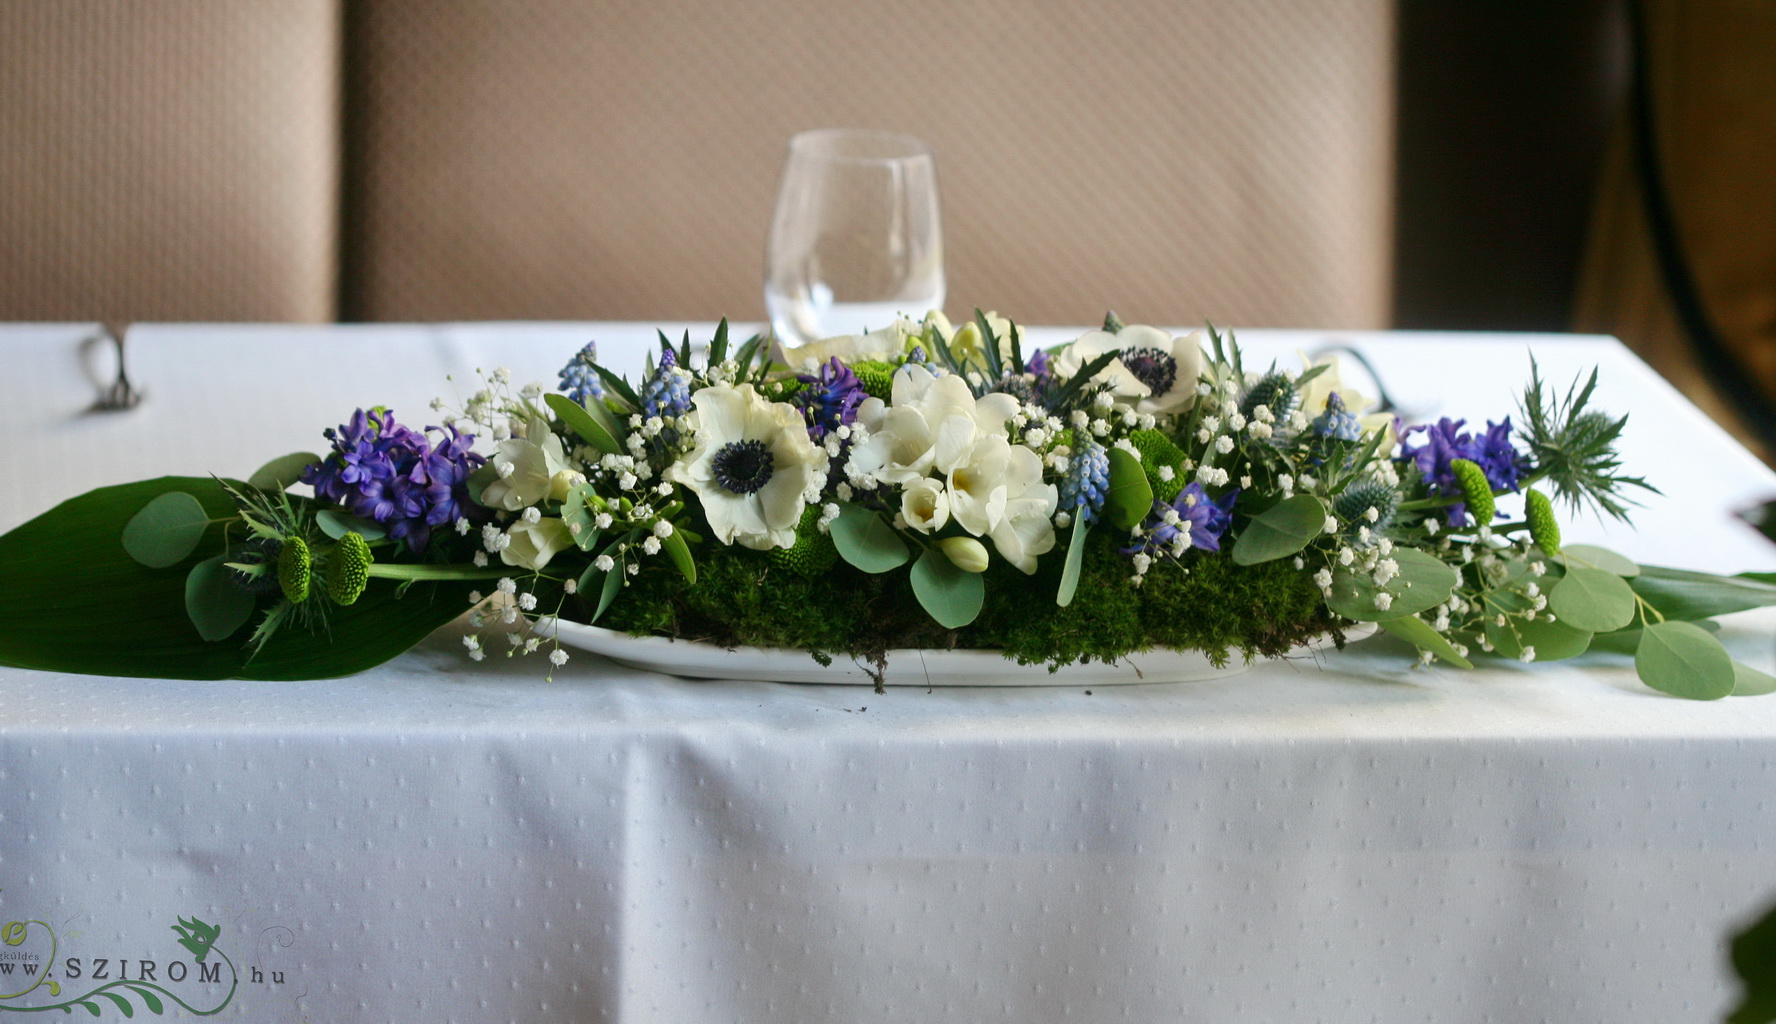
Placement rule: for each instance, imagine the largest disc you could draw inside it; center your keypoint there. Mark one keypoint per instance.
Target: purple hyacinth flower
(1445, 441)
(392, 475)
(829, 398)
(1208, 517)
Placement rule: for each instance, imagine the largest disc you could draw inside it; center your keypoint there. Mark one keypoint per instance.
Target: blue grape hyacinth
(1087, 481)
(578, 378)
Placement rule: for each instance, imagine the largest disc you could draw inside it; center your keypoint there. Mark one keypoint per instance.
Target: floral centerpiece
(923, 485)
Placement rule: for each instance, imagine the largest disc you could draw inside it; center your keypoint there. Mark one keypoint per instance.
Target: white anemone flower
(534, 544)
(883, 344)
(1154, 371)
(752, 466)
(534, 468)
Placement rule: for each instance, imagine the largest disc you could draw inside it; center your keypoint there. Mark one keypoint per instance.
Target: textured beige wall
(168, 159)
(1173, 160)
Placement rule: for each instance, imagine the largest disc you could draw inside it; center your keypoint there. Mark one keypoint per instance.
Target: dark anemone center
(1156, 369)
(742, 466)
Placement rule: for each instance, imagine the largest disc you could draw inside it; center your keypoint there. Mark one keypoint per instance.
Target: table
(1347, 839)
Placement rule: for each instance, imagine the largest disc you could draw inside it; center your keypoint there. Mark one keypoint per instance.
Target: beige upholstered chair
(567, 158)
(168, 159)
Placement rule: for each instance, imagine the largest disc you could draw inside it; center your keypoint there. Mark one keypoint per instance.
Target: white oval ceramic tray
(911, 667)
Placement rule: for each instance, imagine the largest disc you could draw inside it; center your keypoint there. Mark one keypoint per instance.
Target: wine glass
(856, 238)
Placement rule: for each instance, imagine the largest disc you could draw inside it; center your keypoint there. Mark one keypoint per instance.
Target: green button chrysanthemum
(875, 377)
(812, 553)
(295, 569)
(1159, 450)
(1542, 527)
(348, 568)
(1476, 492)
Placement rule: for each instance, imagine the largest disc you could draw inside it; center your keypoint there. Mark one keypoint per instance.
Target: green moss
(1205, 603)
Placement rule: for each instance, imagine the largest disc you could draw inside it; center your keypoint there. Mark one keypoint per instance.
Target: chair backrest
(1172, 159)
(168, 159)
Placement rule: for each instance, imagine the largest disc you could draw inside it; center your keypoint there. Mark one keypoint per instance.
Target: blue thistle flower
(578, 379)
(1087, 481)
(387, 473)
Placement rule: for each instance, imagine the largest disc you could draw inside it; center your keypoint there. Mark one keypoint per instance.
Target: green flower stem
(390, 571)
(1425, 504)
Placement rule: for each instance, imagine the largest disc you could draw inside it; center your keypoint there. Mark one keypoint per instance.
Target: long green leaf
(1681, 594)
(72, 600)
(583, 423)
(1075, 561)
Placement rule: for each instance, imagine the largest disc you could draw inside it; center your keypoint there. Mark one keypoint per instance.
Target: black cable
(1680, 283)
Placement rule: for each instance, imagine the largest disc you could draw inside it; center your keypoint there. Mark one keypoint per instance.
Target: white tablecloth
(1346, 840)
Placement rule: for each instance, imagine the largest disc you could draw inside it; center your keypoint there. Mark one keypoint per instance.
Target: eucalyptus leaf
(1592, 599)
(1075, 562)
(1130, 497)
(279, 474)
(950, 595)
(1552, 641)
(1684, 660)
(1749, 682)
(1594, 557)
(865, 540)
(216, 604)
(1424, 583)
(1419, 633)
(583, 423)
(1282, 530)
(166, 530)
(1627, 641)
(1681, 594)
(336, 524)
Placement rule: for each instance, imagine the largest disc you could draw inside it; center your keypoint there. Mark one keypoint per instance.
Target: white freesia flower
(882, 344)
(751, 467)
(533, 544)
(924, 505)
(532, 477)
(997, 492)
(1154, 372)
(931, 425)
